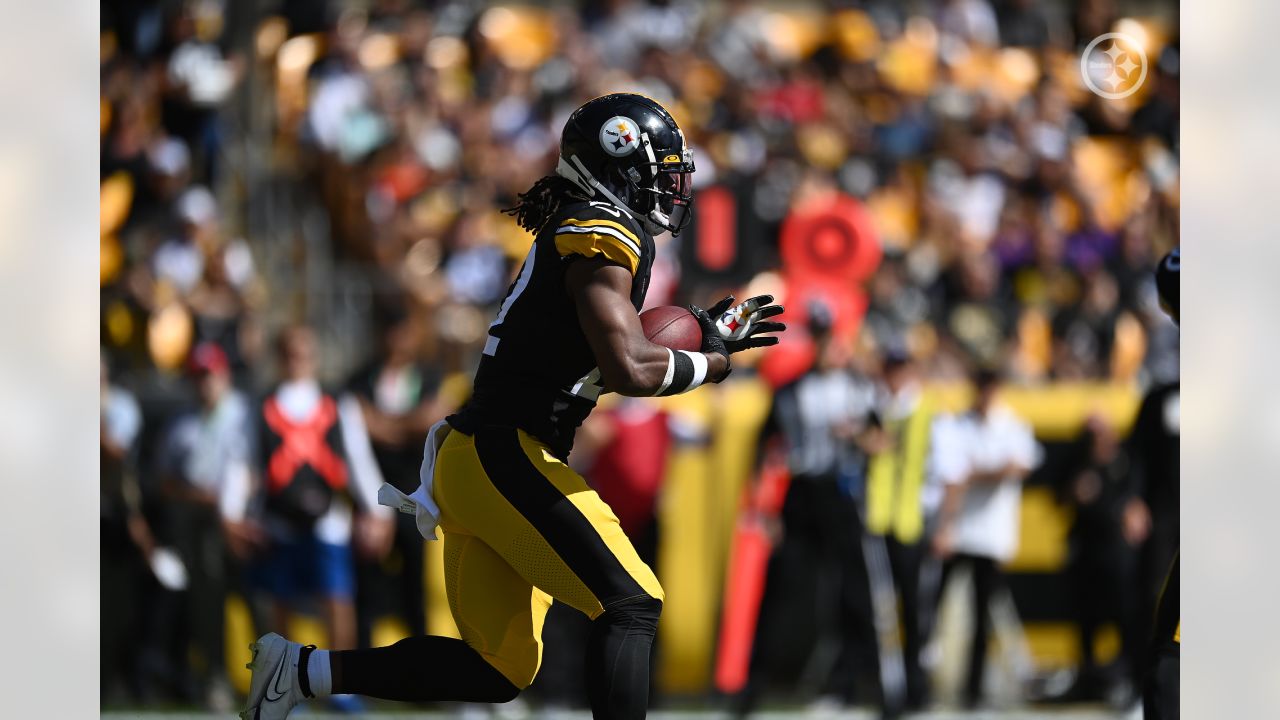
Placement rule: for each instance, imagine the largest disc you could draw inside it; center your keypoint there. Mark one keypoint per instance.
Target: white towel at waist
(420, 503)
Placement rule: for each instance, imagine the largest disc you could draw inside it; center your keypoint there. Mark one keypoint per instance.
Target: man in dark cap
(200, 455)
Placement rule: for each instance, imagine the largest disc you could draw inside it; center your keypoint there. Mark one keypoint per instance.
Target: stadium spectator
(983, 457)
(199, 80)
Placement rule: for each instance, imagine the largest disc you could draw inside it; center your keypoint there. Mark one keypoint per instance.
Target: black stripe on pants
(621, 641)
(554, 516)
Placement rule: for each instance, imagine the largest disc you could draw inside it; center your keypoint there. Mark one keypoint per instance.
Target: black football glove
(712, 343)
(741, 325)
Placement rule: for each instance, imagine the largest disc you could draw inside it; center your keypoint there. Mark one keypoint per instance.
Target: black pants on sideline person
(897, 572)
(817, 577)
(398, 591)
(1102, 576)
(124, 580)
(1155, 558)
(987, 580)
(199, 540)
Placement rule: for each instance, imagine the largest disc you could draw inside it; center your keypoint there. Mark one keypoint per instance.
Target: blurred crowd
(1018, 217)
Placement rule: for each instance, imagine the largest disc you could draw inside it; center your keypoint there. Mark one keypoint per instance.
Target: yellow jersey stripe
(589, 244)
(606, 223)
(600, 230)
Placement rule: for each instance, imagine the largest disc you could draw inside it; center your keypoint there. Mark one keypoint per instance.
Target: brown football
(673, 327)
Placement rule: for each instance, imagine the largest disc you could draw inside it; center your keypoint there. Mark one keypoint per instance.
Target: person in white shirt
(314, 462)
(982, 457)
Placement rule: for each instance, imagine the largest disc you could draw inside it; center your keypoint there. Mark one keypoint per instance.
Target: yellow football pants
(521, 528)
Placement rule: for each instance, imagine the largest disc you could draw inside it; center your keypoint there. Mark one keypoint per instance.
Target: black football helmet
(628, 149)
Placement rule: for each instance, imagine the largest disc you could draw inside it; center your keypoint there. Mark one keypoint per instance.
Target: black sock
(420, 669)
(618, 659)
(304, 678)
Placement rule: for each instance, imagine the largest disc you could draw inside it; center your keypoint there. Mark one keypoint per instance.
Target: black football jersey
(538, 372)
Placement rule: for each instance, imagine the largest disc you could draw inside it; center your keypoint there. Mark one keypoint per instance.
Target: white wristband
(699, 368)
(685, 371)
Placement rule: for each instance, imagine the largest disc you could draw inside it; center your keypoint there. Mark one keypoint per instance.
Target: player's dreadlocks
(543, 200)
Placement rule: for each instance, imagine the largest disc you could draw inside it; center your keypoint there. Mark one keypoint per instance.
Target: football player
(520, 527)
(1160, 696)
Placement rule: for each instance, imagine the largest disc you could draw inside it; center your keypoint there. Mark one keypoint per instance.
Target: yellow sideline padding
(1057, 644)
(697, 512)
(1056, 411)
(240, 632)
(742, 409)
(1042, 533)
(685, 565)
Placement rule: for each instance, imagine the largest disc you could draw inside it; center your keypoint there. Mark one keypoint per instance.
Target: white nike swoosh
(275, 682)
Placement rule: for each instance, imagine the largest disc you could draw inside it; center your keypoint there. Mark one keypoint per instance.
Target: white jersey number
(522, 282)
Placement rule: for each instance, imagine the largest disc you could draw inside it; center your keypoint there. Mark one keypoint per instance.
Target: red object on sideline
(717, 240)
(628, 472)
(795, 352)
(744, 585)
(829, 248)
(832, 237)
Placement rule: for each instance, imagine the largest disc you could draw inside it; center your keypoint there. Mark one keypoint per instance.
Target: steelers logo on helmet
(619, 136)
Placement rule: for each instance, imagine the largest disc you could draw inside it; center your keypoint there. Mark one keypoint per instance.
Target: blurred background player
(1153, 451)
(1160, 697)
(1110, 524)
